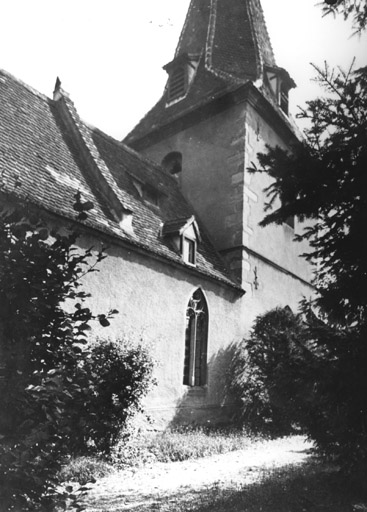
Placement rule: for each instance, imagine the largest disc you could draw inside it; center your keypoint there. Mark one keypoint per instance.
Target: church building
(188, 267)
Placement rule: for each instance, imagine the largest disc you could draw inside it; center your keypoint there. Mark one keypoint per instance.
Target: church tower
(224, 101)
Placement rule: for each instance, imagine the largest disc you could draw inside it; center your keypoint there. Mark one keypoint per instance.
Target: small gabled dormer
(181, 71)
(185, 236)
(280, 84)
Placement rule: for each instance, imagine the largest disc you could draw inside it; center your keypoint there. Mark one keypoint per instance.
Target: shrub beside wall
(56, 394)
(267, 373)
(300, 371)
(119, 375)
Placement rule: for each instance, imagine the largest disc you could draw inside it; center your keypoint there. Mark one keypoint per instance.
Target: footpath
(154, 486)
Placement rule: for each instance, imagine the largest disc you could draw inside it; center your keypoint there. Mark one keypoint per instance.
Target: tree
(324, 181)
(355, 9)
(43, 349)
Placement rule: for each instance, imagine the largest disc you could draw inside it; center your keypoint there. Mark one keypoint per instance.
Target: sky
(109, 54)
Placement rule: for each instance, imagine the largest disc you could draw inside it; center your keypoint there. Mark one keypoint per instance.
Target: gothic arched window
(196, 341)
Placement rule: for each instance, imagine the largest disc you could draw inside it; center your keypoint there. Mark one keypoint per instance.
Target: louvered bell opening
(177, 83)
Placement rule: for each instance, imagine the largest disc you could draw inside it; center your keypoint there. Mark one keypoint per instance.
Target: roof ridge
(25, 85)
(256, 38)
(112, 194)
(184, 27)
(258, 56)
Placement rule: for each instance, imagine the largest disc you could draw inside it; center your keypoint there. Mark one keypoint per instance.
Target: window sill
(196, 390)
(189, 264)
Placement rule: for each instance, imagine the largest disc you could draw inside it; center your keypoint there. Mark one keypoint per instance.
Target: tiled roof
(178, 226)
(175, 226)
(234, 46)
(42, 162)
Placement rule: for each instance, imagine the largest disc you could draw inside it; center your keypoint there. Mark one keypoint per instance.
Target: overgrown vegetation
(193, 443)
(140, 447)
(296, 372)
(56, 395)
(116, 375)
(354, 9)
(323, 181)
(84, 469)
(269, 373)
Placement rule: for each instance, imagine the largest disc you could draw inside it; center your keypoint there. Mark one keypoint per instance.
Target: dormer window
(181, 72)
(184, 235)
(188, 250)
(280, 84)
(283, 98)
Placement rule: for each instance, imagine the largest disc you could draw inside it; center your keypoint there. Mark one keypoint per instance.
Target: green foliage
(43, 349)
(336, 417)
(195, 442)
(267, 373)
(84, 469)
(298, 370)
(355, 9)
(324, 181)
(179, 444)
(116, 377)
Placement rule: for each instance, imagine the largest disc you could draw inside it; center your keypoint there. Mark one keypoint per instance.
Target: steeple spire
(231, 34)
(224, 45)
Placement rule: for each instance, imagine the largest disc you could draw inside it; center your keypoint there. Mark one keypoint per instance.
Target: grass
(310, 487)
(169, 446)
(184, 444)
(85, 469)
(180, 444)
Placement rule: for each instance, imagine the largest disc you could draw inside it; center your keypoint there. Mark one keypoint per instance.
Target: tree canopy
(60, 395)
(324, 180)
(354, 9)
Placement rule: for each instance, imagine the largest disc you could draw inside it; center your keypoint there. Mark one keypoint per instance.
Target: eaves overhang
(109, 236)
(212, 106)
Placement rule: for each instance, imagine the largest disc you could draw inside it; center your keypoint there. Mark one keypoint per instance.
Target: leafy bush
(119, 376)
(84, 470)
(268, 373)
(42, 345)
(301, 370)
(336, 417)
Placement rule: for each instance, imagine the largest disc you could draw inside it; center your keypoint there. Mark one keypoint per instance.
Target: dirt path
(148, 487)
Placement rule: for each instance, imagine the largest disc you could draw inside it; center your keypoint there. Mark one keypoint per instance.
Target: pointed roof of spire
(231, 33)
(228, 44)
